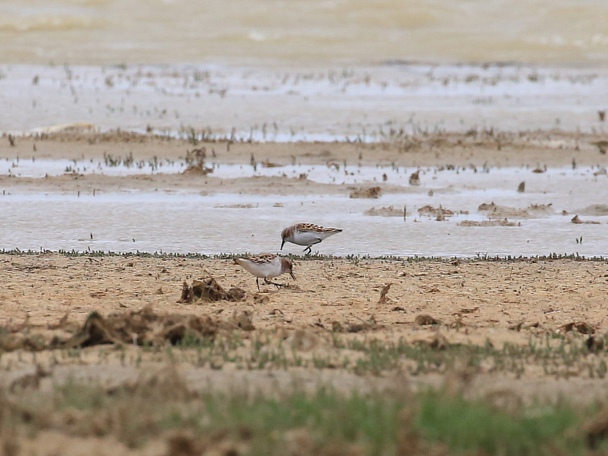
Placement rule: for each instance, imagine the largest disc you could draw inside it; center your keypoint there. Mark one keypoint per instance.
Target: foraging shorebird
(266, 266)
(306, 234)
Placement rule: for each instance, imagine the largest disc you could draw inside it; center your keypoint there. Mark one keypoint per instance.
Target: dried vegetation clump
(414, 178)
(387, 211)
(360, 326)
(577, 221)
(195, 159)
(142, 327)
(495, 211)
(366, 192)
(440, 213)
(209, 290)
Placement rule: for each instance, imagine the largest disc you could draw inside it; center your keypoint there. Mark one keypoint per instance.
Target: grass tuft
(473, 425)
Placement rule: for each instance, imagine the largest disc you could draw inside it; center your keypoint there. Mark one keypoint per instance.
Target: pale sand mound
(495, 211)
(487, 223)
(594, 210)
(388, 211)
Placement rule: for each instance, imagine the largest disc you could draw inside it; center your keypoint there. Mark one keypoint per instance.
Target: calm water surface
(183, 222)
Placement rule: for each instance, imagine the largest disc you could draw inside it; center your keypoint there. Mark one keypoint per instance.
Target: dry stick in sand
(383, 298)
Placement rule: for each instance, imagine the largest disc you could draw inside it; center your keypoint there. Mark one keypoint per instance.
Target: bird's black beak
(292, 276)
(282, 244)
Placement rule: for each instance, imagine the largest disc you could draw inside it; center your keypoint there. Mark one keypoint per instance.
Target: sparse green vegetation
(324, 421)
(474, 426)
(557, 354)
(355, 259)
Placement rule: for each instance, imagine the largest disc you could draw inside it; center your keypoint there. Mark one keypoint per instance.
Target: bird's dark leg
(309, 248)
(257, 282)
(278, 285)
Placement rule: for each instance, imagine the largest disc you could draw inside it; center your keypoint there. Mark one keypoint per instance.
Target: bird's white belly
(307, 238)
(267, 270)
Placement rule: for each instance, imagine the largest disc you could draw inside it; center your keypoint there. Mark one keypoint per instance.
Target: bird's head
(284, 235)
(287, 266)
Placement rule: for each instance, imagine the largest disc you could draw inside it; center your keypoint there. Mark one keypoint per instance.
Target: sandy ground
(476, 302)
(487, 296)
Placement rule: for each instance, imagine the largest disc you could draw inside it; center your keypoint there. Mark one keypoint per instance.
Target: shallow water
(373, 103)
(184, 222)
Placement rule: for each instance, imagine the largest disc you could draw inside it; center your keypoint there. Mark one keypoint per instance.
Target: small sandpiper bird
(266, 266)
(306, 234)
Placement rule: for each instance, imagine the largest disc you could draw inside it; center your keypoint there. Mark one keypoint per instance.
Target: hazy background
(303, 32)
